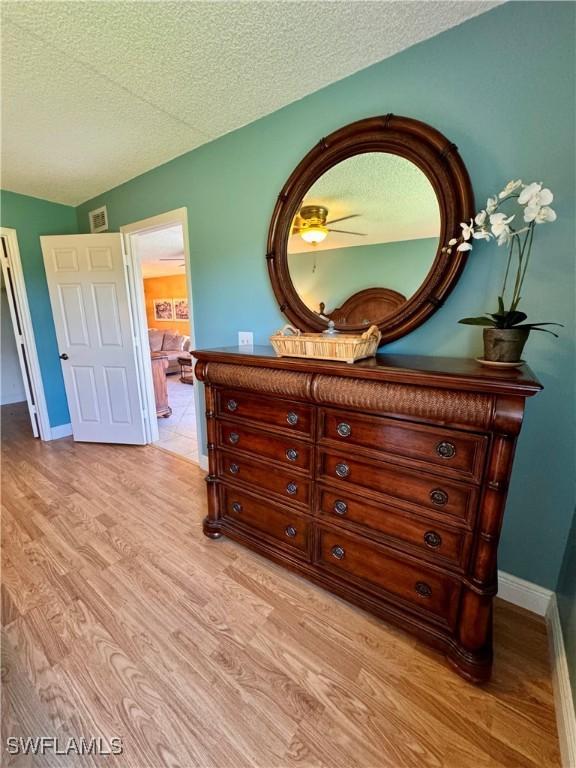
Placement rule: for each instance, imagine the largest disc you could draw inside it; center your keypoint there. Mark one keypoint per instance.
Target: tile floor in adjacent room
(178, 431)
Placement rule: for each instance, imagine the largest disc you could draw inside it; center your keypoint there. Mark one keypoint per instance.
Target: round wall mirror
(360, 229)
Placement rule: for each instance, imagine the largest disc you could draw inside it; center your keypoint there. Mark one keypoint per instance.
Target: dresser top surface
(453, 372)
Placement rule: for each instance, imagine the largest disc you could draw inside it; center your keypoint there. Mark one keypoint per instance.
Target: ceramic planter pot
(504, 345)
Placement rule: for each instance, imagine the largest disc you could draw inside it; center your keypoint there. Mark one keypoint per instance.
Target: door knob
(64, 356)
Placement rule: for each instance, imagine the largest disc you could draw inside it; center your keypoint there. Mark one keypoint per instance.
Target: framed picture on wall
(181, 309)
(163, 309)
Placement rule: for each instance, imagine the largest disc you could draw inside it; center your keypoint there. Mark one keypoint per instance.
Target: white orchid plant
(491, 223)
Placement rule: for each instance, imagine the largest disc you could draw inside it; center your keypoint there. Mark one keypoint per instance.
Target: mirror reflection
(364, 238)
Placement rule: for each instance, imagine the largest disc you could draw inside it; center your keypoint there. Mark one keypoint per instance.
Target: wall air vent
(98, 220)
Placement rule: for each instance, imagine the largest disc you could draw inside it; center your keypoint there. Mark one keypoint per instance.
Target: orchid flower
(510, 188)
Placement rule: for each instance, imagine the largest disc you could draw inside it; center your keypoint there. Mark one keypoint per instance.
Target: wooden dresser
(383, 481)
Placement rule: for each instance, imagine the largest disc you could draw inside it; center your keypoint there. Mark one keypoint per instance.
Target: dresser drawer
(376, 568)
(408, 488)
(457, 453)
(268, 411)
(433, 538)
(284, 449)
(292, 488)
(284, 526)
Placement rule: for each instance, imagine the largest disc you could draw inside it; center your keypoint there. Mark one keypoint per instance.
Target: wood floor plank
(122, 619)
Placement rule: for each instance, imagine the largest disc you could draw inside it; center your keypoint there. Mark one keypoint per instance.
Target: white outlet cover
(245, 339)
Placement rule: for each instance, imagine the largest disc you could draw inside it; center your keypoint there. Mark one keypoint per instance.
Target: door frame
(138, 302)
(18, 303)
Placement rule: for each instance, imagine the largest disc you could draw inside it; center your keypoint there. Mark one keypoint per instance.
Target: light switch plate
(245, 339)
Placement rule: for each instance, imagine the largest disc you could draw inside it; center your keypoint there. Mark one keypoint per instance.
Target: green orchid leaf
(501, 309)
(544, 330)
(477, 321)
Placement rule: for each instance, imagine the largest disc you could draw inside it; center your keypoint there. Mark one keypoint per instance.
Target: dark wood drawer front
(292, 488)
(287, 450)
(432, 537)
(269, 411)
(455, 451)
(363, 561)
(283, 525)
(404, 487)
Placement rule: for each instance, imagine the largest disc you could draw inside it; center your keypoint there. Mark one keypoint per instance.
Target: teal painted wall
(566, 590)
(340, 272)
(500, 86)
(32, 217)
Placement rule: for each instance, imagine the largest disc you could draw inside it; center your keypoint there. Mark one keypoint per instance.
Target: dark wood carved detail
(438, 159)
(402, 515)
(369, 306)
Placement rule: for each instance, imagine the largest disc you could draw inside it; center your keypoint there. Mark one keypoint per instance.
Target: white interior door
(89, 295)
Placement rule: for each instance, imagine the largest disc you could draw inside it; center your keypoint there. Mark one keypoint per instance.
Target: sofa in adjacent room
(171, 342)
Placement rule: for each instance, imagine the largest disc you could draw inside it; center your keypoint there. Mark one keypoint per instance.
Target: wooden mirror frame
(436, 157)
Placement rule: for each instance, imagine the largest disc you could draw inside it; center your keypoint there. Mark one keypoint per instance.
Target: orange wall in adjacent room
(170, 287)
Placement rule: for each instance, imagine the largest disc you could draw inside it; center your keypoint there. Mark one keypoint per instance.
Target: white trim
(28, 340)
(203, 462)
(138, 301)
(63, 430)
(524, 593)
(563, 699)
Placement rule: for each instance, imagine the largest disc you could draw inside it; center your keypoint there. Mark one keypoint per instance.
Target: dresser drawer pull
(423, 589)
(342, 469)
(292, 418)
(234, 469)
(338, 553)
(343, 429)
(291, 454)
(446, 450)
(439, 497)
(432, 539)
(340, 507)
(291, 488)
(231, 405)
(236, 507)
(233, 438)
(290, 531)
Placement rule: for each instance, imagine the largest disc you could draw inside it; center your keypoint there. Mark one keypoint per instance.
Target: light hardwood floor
(121, 619)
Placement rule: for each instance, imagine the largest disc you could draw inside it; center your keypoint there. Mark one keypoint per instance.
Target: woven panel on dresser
(424, 402)
(267, 381)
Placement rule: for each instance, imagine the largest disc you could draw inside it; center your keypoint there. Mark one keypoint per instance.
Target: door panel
(89, 296)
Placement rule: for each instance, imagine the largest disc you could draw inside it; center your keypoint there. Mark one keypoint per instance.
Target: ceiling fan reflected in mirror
(311, 224)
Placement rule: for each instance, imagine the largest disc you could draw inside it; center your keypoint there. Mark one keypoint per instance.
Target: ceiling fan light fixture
(314, 234)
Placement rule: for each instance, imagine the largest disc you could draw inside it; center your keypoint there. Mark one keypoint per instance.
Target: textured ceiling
(95, 93)
(391, 196)
(151, 247)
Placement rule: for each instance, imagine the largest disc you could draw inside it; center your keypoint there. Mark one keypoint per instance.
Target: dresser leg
(475, 667)
(211, 529)
(472, 654)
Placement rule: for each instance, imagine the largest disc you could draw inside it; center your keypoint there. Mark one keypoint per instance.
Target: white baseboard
(524, 593)
(203, 461)
(63, 430)
(563, 699)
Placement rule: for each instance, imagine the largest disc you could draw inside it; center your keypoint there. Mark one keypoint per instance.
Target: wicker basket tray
(346, 347)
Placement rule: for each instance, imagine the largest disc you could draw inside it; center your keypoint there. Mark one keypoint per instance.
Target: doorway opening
(21, 388)
(158, 251)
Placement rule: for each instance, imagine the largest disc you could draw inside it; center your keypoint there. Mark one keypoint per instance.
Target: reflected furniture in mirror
(385, 480)
(365, 304)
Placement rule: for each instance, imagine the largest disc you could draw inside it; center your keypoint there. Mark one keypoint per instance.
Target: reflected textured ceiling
(163, 243)
(392, 197)
(95, 93)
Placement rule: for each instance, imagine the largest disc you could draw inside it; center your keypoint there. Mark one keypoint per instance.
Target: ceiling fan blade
(170, 258)
(343, 218)
(345, 232)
